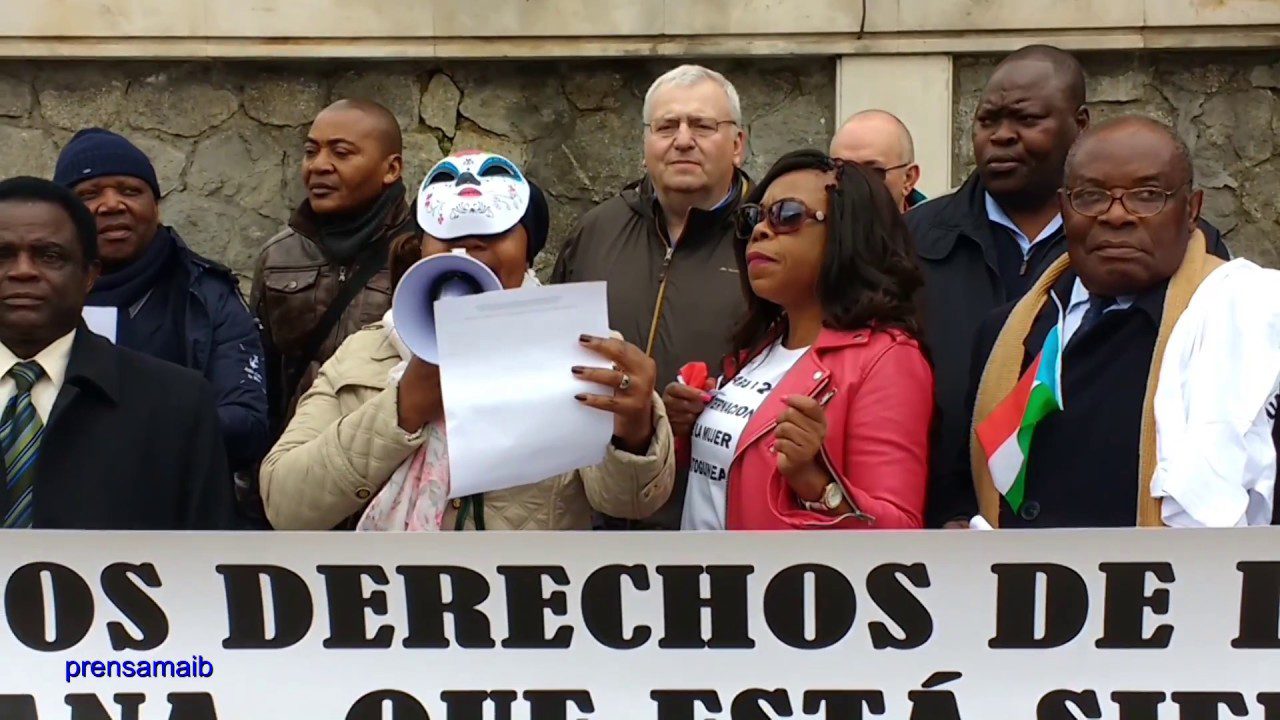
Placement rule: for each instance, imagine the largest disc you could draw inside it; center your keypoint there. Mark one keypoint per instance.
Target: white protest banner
(1121, 625)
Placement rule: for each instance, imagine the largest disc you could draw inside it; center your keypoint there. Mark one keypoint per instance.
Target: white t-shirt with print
(718, 429)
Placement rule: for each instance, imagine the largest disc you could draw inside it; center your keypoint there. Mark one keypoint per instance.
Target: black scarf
(343, 239)
(126, 286)
(158, 328)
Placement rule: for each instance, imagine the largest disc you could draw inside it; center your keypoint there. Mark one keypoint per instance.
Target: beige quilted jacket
(344, 443)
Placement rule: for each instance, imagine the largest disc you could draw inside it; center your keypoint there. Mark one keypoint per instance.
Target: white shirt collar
(1080, 296)
(53, 359)
(996, 214)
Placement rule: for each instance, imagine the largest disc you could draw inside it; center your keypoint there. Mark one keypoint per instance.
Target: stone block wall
(1225, 107)
(227, 139)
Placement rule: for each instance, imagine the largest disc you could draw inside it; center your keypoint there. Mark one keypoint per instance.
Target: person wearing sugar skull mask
(380, 409)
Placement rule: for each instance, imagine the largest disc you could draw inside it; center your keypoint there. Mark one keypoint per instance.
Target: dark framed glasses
(784, 216)
(1139, 202)
(883, 172)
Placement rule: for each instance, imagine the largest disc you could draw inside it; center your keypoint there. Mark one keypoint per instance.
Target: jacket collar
(93, 368)
(641, 197)
(197, 262)
(306, 223)
(828, 340)
(965, 214)
(1150, 303)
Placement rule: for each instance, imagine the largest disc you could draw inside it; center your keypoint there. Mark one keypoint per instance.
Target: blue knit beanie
(95, 152)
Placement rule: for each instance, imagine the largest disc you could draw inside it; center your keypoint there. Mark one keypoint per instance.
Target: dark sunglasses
(784, 216)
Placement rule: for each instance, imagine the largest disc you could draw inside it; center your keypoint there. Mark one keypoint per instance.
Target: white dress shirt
(53, 359)
(996, 214)
(1079, 305)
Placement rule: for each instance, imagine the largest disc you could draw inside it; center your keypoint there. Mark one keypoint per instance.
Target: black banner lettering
(554, 704)
(682, 704)
(136, 604)
(403, 706)
(1066, 606)
(344, 587)
(24, 604)
(1205, 705)
(682, 604)
(890, 594)
(1062, 704)
(469, 704)
(246, 613)
(844, 704)
(602, 606)
(424, 593)
(748, 705)
(1259, 606)
(1126, 603)
(834, 606)
(527, 607)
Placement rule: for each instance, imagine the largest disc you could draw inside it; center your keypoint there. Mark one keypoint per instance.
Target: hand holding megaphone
(452, 274)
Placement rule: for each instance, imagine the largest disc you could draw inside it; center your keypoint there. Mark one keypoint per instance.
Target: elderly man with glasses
(664, 243)
(1135, 382)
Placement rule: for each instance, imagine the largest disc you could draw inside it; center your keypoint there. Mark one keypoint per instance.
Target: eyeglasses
(1139, 202)
(883, 173)
(784, 216)
(700, 127)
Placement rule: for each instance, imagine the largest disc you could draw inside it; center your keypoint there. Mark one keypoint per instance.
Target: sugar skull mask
(472, 193)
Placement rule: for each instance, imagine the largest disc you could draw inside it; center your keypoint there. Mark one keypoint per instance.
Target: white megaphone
(446, 275)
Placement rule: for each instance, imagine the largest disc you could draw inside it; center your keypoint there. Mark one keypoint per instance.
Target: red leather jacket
(877, 442)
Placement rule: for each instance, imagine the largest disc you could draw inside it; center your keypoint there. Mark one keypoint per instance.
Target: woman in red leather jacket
(821, 419)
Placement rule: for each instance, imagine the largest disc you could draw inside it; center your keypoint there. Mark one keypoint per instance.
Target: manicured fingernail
(584, 339)
(706, 397)
(578, 370)
(580, 397)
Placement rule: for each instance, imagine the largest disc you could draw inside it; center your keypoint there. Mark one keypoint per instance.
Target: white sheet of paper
(101, 320)
(505, 358)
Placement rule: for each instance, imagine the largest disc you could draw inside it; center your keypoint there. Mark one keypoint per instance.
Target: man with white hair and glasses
(664, 243)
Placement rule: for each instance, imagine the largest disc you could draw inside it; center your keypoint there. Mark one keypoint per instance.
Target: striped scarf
(1003, 369)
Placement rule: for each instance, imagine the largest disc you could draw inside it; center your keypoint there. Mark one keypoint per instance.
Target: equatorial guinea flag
(1006, 434)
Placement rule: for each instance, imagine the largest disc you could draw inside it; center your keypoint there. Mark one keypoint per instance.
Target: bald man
(324, 276)
(1135, 259)
(881, 142)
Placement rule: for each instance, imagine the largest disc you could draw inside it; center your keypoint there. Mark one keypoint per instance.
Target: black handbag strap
(373, 260)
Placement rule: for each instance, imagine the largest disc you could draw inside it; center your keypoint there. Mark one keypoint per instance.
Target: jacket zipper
(857, 513)
(657, 308)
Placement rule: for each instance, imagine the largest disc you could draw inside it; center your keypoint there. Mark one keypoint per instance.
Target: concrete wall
(1224, 105)
(591, 28)
(227, 138)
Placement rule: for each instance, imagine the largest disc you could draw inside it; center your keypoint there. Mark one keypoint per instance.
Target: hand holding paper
(630, 385)
(508, 391)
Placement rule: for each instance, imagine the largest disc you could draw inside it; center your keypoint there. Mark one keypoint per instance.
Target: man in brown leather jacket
(339, 235)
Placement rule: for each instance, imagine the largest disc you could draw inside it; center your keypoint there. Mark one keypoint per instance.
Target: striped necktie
(20, 431)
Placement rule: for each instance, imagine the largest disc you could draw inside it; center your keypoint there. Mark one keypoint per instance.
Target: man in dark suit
(92, 435)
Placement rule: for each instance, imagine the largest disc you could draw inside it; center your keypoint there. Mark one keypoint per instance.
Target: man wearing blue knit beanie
(171, 303)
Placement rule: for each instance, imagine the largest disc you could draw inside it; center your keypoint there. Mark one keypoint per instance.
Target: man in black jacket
(92, 435)
(170, 303)
(986, 243)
